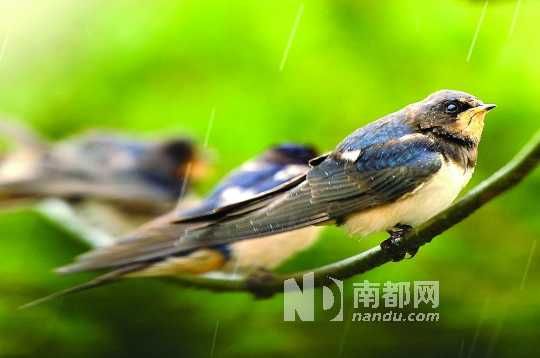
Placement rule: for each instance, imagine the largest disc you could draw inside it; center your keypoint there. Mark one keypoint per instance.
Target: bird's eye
(452, 107)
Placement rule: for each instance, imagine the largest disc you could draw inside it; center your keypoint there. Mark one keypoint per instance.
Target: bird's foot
(259, 281)
(392, 247)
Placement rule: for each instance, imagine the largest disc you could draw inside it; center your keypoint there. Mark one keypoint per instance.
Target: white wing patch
(290, 172)
(351, 156)
(252, 166)
(235, 194)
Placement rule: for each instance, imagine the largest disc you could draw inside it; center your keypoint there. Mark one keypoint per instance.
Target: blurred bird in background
(104, 166)
(101, 174)
(269, 171)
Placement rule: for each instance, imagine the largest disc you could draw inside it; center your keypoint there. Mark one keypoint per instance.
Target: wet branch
(266, 284)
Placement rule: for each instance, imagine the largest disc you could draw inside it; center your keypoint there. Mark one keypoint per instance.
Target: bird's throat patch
(470, 123)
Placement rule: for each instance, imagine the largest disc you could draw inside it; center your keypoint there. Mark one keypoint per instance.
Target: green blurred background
(161, 67)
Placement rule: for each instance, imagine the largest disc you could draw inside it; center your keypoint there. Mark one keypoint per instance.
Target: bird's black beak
(487, 107)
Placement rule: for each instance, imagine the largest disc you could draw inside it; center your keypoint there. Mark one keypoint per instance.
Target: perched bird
(268, 171)
(133, 174)
(392, 174)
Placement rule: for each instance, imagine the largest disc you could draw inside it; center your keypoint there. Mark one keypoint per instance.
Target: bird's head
(183, 157)
(454, 114)
(290, 153)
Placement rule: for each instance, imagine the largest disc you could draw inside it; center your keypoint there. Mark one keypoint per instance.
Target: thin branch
(266, 284)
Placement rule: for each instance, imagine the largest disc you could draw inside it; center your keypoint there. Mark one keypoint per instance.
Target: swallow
(392, 174)
(136, 175)
(271, 169)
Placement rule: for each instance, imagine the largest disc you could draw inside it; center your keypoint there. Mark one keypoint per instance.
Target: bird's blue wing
(376, 133)
(245, 183)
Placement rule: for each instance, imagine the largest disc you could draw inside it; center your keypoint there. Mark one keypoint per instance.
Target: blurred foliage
(160, 67)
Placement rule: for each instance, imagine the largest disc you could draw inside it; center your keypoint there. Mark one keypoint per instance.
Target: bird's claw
(392, 246)
(258, 280)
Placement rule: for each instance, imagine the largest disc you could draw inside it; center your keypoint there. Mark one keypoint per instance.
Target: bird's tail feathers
(96, 282)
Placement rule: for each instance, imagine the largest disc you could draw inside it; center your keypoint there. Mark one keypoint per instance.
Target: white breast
(19, 166)
(270, 252)
(415, 208)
